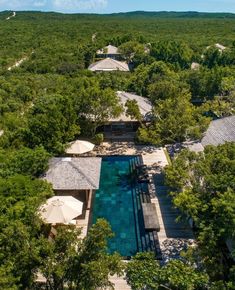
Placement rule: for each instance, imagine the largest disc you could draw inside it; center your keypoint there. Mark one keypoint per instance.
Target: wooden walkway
(169, 214)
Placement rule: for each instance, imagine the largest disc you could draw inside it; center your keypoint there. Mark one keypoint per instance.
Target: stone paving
(119, 283)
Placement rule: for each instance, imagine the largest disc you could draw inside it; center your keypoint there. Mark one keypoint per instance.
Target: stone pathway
(119, 283)
(18, 63)
(13, 15)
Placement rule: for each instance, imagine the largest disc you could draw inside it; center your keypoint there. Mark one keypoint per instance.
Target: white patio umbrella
(60, 209)
(79, 147)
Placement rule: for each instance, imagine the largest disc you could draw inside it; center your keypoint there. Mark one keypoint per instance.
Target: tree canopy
(204, 191)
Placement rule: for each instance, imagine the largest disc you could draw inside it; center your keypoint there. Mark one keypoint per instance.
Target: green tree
(130, 49)
(94, 264)
(20, 228)
(7, 279)
(57, 257)
(51, 123)
(135, 53)
(174, 52)
(175, 120)
(25, 161)
(180, 276)
(143, 272)
(133, 110)
(204, 186)
(204, 83)
(164, 89)
(98, 107)
(212, 57)
(144, 75)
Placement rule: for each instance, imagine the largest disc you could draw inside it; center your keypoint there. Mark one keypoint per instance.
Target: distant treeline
(173, 14)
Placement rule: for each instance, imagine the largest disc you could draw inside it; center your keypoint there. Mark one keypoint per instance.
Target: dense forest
(46, 101)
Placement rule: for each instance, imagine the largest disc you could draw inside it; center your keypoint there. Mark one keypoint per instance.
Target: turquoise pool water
(118, 200)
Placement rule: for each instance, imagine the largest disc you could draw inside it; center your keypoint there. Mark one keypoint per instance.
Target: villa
(124, 124)
(109, 51)
(109, 64)
(109, 59)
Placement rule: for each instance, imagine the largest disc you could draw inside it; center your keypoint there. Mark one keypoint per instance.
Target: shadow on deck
(173, 228)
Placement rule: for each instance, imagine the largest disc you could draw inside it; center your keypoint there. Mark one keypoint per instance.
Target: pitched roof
(144, 104)
(110, 49)
(220, 131)
(74, 173)
(109, 64)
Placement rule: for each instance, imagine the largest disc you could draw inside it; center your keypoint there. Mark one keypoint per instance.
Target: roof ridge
(139, 105)
(120, 63)
(144, 98)
(78, 169)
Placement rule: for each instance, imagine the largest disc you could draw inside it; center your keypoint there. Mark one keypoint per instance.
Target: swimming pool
(118, 200)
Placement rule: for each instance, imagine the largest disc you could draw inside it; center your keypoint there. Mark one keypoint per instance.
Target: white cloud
(22, 4)
(40, 3)
(58, 5)
(79, 4)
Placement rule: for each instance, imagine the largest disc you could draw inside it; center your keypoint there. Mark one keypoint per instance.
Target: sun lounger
(151, 221)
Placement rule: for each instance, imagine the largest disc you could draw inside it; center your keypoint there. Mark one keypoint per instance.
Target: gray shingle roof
(144, 104)
(109, 64)
(74, 173)
(220, 131)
